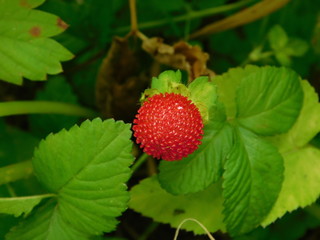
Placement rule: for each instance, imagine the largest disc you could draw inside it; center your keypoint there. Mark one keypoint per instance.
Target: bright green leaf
(252, 181)
(269, 100)
(149, 199)
(301, 177)
(307, 125)
(227, 85)
(87, 167)
(56, 89)
(277, 38)
(46, 224)
(301, 185)
(197, 171)
(20, 205)
(26, 50)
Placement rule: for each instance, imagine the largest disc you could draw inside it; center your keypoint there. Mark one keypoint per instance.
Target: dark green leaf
(252, 181)
(269, 100)
(16, 145)
(56, 89)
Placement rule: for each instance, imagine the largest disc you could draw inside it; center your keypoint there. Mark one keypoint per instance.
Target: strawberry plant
(188, 117)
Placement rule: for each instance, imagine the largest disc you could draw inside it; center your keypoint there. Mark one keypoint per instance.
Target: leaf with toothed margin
(204, 166)
(26, 49)
(301, 186)
(87, 168)
(20, 205)
(252, 181)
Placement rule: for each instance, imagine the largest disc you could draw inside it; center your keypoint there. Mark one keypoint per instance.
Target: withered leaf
(181, 55)
(119, 82)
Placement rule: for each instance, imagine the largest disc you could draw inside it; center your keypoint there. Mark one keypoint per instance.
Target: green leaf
(277, 37)
(20, 205)
(252, 181)
(301, 185)
(227, 85)
(269, 100)
(307, 125)
(26, 50)
(203, 167)
(87, 167)
(296, 47)
(56, 89)
(46, 223)
(152, 201)
(16, 145)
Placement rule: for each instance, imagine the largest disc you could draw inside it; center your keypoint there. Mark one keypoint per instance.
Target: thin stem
(133, 16)
(15, 172)
(194, 220)
(139, 162)
(31, 107)
(187, 16)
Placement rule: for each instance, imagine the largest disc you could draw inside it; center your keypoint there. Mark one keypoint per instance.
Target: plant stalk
(139, 162)
(49, 107)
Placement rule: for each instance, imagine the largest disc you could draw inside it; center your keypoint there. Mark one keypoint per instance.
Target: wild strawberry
(168, 126)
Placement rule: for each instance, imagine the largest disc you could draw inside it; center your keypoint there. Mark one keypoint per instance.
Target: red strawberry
(168, 126)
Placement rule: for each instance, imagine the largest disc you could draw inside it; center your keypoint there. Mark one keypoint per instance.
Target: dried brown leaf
(181, 55)
(119, 82)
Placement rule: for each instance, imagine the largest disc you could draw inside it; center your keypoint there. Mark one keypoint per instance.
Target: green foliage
(253, 168)
(252, 181)
(16, 145)
(93, 158)
(174, 209)
(301, 178)
(269, 100)
(20, 205)
(285, 47)
(27, 51)
(204, 166)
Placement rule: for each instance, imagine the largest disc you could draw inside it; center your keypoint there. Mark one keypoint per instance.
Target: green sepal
(171, 82)
(204, 95)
